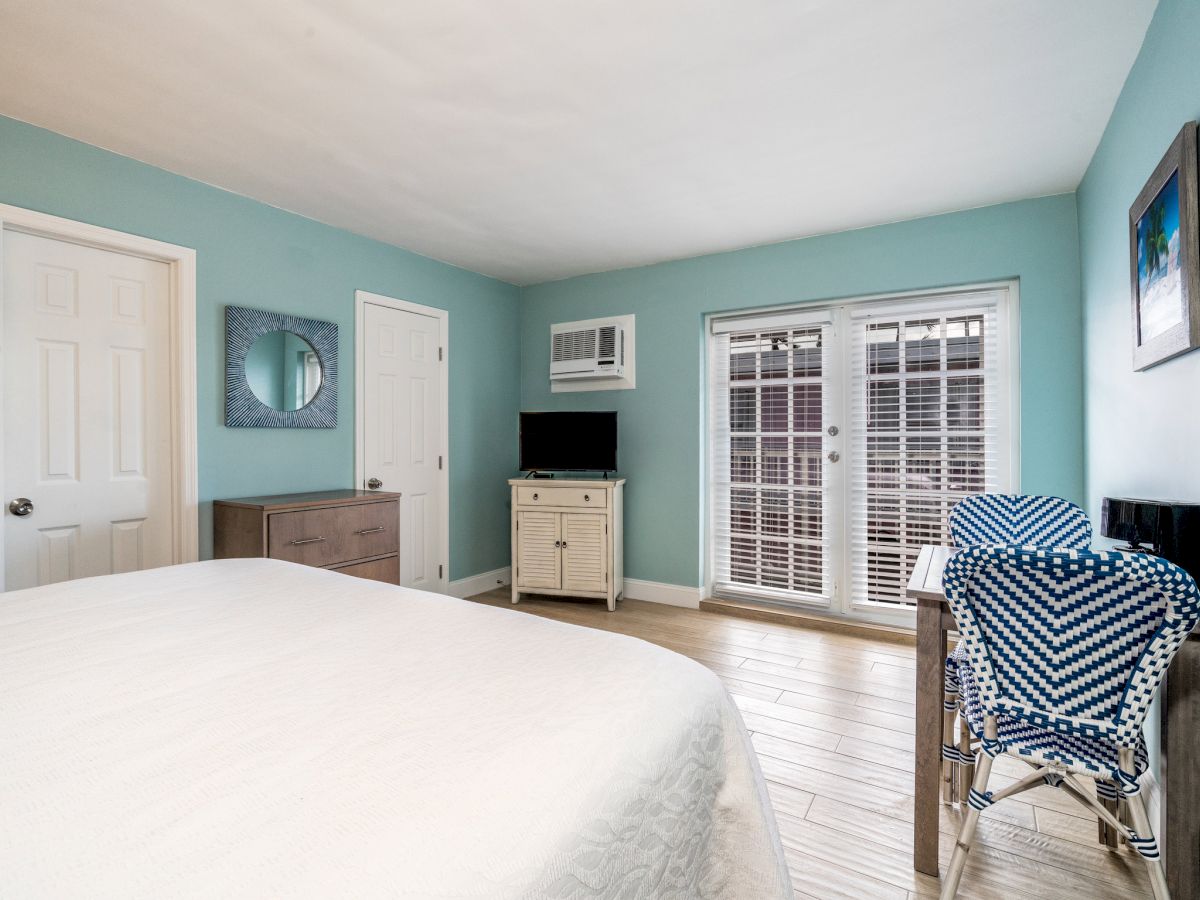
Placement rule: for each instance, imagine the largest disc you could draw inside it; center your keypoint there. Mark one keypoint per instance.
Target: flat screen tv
(568, 442)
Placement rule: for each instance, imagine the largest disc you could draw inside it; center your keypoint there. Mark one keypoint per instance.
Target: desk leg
(1180, 786)
(931, 659)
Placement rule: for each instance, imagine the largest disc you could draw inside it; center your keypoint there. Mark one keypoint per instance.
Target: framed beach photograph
(1164, 258)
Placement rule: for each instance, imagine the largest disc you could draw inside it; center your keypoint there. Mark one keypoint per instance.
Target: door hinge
(439, 572)
(439, 462)
(440, 355)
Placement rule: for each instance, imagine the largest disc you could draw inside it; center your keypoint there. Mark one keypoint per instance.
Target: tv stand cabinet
(568, 538)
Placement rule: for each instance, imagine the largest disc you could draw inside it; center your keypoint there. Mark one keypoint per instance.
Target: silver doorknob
(834, 456)
(374, 484)
(22, 506)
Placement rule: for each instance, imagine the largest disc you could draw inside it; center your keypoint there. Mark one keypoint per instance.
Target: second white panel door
(404, 410)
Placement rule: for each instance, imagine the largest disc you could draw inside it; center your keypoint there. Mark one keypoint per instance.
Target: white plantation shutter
(928, 423)
(769, 404)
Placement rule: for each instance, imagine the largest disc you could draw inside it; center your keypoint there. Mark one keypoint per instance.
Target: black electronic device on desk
(1167, 528)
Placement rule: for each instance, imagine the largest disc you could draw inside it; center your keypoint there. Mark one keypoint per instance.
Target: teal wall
(250, 254)
(661, 420)
(1142, 427)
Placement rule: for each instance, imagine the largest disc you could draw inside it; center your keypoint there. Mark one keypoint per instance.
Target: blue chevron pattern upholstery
(1067, 647)
(1024, 520)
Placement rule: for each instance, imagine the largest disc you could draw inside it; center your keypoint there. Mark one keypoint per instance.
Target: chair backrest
(1023, 520)
(1073, 641)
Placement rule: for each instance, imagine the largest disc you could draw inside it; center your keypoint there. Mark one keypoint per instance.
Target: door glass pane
(771, 533)
(925, 395)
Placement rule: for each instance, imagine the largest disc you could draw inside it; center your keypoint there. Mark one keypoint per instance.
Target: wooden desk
(1179, 780)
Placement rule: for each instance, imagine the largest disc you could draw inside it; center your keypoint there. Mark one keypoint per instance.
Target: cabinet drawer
(387, 569)
(325, 537)
(561, 496)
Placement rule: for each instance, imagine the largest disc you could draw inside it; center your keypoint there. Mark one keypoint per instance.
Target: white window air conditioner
(582, 353)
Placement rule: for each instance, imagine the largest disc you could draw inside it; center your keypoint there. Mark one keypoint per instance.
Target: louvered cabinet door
(538, 564)
(584, 552)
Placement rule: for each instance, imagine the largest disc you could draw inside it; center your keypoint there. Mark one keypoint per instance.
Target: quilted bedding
(252, 728)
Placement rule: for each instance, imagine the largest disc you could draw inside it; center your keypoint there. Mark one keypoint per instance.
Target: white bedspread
(249, 728)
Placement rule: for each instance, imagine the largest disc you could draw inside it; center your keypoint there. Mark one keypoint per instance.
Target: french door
(841, 437)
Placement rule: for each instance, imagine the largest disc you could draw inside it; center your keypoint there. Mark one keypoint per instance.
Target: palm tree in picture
(1155, 245)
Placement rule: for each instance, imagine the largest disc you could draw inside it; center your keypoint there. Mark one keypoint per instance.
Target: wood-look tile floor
(832, 721)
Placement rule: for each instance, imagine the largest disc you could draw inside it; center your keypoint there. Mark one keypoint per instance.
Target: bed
(254, 728)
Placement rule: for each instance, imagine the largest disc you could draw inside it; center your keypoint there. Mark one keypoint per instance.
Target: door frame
(361, 299)
(181, 290)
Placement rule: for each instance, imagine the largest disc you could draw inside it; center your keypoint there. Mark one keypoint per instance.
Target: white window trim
(1010, 373)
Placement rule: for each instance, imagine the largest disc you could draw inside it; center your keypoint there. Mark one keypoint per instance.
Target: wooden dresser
(354, 532)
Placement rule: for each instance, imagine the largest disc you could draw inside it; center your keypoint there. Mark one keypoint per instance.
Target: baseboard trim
(660, 592)
(766, 613)
(477, 584)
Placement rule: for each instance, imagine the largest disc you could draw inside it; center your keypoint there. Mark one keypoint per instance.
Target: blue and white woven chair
(1065, 650)
(1023, 520)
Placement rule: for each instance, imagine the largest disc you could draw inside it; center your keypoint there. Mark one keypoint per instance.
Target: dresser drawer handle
(535, 496)
(308, 541)
(371, 530)
(586, 498)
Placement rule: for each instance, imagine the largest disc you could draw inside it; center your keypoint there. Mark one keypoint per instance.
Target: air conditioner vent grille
(570, 345)
(608, 341)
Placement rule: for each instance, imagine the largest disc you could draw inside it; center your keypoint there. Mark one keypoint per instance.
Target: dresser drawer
(561, 496)
(387, 569)
(325, 537)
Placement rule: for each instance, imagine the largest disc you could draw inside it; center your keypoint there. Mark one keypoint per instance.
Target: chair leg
(966, 835)
(949, 704)
(966, 771)
(1141, 825)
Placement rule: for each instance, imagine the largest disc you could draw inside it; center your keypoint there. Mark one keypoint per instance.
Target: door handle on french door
(834, 456)
(374, 484)
(22, 506)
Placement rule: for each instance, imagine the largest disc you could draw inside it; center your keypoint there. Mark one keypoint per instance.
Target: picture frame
(243, 407)
(1164, 257)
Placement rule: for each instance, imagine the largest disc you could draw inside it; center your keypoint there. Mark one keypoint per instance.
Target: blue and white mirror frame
(242, 408)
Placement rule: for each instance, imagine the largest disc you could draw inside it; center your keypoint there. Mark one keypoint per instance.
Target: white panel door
(584, 556)
(538, 539)
(87, 411)
(403, 410)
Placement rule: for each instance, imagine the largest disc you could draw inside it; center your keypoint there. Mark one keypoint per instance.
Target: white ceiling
(537, 139)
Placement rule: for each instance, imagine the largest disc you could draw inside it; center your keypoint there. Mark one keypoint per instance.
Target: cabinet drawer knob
(375, 530)
(586, 498)
(558, 543)
(535, 496)
(564, 543)
(316, 540)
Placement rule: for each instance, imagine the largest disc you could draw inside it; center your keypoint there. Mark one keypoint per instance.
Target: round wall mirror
(283, 370)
